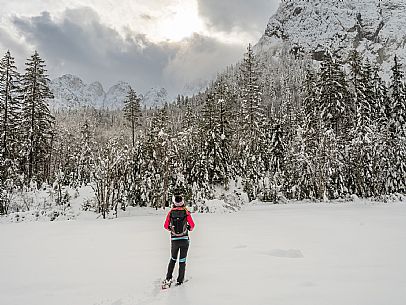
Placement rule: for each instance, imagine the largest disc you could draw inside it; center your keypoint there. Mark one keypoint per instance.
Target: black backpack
(178, 222)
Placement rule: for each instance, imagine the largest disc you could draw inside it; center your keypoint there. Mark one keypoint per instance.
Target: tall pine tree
(251, 148)
(337, 117)
(359, 177)
(397, 130)
(9, 105)
(9, 122)
(37, 121)
(216, 134)
(132, 111)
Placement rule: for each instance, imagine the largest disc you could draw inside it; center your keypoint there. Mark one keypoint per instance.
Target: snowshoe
(166, 284)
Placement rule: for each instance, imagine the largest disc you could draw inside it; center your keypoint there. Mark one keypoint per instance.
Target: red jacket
(188, 218)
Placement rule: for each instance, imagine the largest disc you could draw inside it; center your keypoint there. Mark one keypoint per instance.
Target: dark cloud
(243, 15)
(79, 43)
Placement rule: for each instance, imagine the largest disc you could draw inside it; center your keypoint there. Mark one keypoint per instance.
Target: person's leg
(182, 260)
(172, 261)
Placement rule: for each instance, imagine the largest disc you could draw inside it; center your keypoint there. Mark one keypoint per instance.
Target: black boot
(181, 276)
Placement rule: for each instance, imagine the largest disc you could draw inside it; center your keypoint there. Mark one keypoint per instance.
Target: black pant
(181, 245)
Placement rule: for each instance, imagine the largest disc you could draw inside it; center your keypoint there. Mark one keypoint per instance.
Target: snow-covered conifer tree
(132, 111)
(397, 130)
(311, 132)
(381, 145)
(337, 117)
(251, 144)
(9, 106)
(9, 125)
(359, 179)
(37, 121)
(216, 134)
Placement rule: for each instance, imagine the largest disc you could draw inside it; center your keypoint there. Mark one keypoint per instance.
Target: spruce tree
(9, 123)
(37, 121)
(398, 100)
(381, 145)
(382, 101)
(311, 104)
(132, 111)
(157, 165)
(9, 106)
(337, 119)
(216, 134)
(224, 101)
(209, 145)
(251, 99)
(251, 149)
(397, 131)
(360, 157)
(277, 148)
(311, 132)
(336, 110)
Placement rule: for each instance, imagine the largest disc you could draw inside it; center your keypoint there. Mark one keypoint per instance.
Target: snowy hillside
(310, 254)
(373, 27)
(71, 92)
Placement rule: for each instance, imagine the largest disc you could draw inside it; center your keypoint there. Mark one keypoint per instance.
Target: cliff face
(376, 28)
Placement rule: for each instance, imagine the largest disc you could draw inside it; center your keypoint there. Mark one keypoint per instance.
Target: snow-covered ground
(327, 254)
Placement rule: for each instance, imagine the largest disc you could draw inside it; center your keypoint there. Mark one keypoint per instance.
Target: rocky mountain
(71, 92)
(374, 27)
(115, 96)
(155, 98)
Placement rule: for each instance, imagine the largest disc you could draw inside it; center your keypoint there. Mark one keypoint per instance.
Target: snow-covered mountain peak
(373, 27)
(70, 80)
(119, 87)
(71, 92)
(155, 97)
(116, 95)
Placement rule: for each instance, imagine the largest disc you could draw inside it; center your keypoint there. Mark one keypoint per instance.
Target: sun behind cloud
(179, 21)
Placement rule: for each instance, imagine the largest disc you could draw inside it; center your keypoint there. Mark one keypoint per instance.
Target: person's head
(178, 200)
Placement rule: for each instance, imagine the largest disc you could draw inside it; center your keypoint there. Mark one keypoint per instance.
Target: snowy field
(315, 254)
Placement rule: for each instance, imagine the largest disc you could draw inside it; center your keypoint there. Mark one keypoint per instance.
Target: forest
(285, 128)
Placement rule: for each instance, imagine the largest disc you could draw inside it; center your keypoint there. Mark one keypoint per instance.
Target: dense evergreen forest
(283, 128)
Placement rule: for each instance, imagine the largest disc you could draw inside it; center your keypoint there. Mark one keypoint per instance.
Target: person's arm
(190, 221)
(167, 221)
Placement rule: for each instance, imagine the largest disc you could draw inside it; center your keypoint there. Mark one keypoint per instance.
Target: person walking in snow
(178, 221)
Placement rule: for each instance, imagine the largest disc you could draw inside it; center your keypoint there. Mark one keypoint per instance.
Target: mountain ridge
(71, 92)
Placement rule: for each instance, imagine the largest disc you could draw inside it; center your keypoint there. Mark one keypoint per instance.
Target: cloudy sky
(148, 43)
